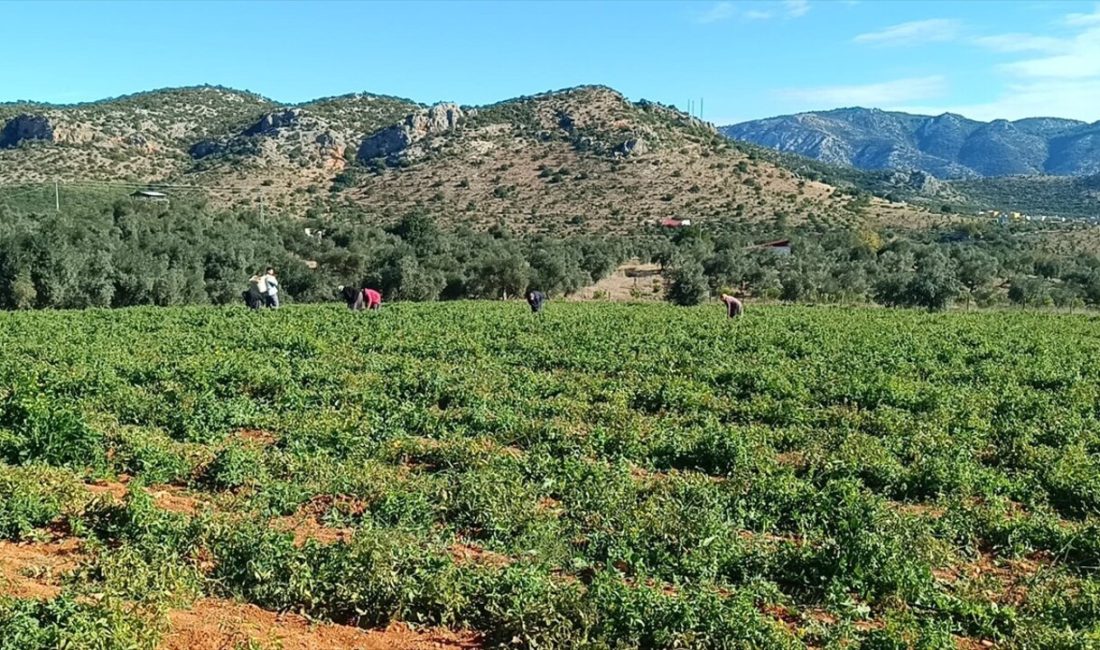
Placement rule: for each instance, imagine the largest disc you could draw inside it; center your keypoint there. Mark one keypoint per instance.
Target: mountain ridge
(948, 146)
(585, 157)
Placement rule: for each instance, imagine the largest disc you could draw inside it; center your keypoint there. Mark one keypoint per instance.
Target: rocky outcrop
(140, 142)
(634, 147)
(566, 122)
(327, 139)
(205, 148)
(393, 140)
(271, 122)
(921, 182)
(332, 148)
(441, 117)
(385, 143)
(290, 137)
(25, 128)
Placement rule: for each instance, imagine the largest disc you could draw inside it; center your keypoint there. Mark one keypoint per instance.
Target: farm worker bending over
(254, 298)
(272, 288)
(373, 298)
(733, 305)
(361, 299)
(535, 299)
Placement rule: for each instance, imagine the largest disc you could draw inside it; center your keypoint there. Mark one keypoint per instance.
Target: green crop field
(605, 476)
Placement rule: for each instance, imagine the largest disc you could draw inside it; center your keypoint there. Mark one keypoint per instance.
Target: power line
(170, 186)
(132, 184)
(15, 192)
(26, 192)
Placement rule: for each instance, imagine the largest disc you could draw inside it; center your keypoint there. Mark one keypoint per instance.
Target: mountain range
(947, 146)
(580, 158)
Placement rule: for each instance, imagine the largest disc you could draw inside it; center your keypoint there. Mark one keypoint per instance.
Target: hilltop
(947, 146)
(579, 158)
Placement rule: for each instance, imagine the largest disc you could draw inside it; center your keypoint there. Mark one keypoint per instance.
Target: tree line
(125, 252)
(133, 253)
(975, 263)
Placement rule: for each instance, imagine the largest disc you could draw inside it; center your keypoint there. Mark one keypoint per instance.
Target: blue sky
(747, 59)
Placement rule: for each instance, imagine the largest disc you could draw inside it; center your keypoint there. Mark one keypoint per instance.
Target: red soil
(31, 570)
(213, 624)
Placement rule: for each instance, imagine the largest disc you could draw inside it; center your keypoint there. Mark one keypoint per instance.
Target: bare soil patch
(258, 436)
(780, 613)
(1004, 580)
(308, 528)
(631, 281)
(115, 489)
(465, 553)
(33, 570)
(967, 643)
(923, 510)
(214, 624)
(307, 523)
(167, 497)
(793, 459)
(175, 499)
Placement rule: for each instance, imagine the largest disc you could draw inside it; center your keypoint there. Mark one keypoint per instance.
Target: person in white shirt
(272, 298)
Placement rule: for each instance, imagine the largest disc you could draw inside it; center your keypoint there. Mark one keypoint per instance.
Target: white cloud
(718, 12)
(796, 8)
(883, 94)
(722, 11)
(1077, 57)
(1021, 43)
(1055, 74)
(933, 30)
(1083, 20)
(1069, 99)
(1075, 65)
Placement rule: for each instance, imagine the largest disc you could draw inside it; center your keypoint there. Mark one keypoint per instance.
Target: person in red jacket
(372, 298)
(734, 308)
(359, 299)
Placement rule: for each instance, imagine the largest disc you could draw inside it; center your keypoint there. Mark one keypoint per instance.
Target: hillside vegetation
(1037, 195)
(105, 249)
(579, 159)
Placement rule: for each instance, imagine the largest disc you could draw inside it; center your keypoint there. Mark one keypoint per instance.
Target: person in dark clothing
(252, 296)
(358, 299)
(350, 295)
(536, 299)
(734, 308)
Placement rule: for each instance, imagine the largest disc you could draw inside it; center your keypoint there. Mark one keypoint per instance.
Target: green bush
(65, 622)
(32, 497)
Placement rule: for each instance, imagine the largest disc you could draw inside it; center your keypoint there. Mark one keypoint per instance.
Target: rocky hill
(581, 158)
(947, 146)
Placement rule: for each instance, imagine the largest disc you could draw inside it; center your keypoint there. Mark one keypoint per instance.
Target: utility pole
(700, 108)
(56, 196)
